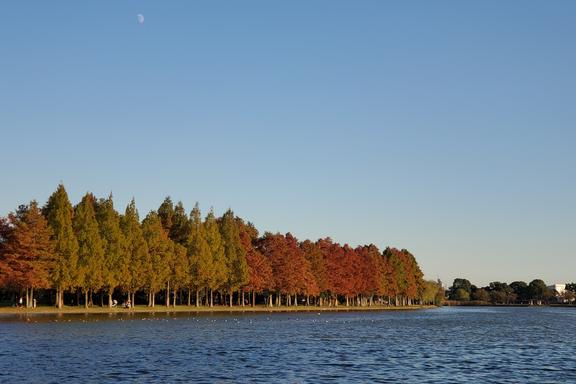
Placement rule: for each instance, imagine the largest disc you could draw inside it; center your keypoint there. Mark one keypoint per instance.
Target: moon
(140, 18)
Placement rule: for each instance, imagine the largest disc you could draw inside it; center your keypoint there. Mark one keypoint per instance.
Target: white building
(559, 289)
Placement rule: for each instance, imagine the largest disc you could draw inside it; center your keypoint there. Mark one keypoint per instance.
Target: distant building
(557, 289)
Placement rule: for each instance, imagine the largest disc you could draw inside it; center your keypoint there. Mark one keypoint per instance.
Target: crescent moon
(140, 18)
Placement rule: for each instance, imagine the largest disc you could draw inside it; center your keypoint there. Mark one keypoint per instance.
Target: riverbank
(454, 303)
(218, 309)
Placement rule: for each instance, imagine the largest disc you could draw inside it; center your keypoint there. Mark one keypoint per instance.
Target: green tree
(460, 294)
(220, 271)
(58, 212)
(137, 252)
(160, 255)
(116, 261)
(199, 255)
(481, 295)
(180, 230)
(521, 290)
(430, 293)
(91, 265)
(538, 290)
(463, 285)
(398, 283)
(179, 270)
(166, 214)
(234, 254)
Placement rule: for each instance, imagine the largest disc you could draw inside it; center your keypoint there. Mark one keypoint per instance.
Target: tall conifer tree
(180, 230)
(220, 268)
(90, 249)
(166, 214)
(234, 254)
(160, 253)
(137, 251)
(199, 255)
(58, 212)
(116, 262)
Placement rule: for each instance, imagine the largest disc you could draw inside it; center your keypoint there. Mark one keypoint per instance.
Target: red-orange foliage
(313, 254)
(27, 251)
(259, 270)
(290, 269)
(373, 270)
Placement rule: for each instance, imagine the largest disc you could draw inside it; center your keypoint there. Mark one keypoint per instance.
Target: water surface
(447, 345)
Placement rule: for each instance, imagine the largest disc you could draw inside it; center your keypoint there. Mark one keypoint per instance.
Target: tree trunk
(168, 294)
(190, 297)
(253, 299)
(197, 297)
(86, 299)
(211, 299)
(174, 300)
(231, 297)
(110, 298)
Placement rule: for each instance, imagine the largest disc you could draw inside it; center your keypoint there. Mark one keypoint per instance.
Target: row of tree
(517, 292)
(91, 248)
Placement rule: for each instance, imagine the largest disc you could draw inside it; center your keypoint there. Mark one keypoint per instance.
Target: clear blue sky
(444, 127)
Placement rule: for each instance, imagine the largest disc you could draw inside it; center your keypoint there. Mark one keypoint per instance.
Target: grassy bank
(185, 308)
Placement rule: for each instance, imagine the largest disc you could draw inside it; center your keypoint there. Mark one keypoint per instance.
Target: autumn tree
(58, 212)
(259, 270)
(27, 251)
(373, 272)
(5, 271)
(290, 269)
(315, 258)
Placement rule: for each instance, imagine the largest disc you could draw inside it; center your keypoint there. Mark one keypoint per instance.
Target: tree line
(89, 249)
(517, 292)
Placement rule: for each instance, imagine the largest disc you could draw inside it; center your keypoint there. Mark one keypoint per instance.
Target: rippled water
(475, 345)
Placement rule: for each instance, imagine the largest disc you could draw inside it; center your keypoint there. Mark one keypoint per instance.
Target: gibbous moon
(140, 18)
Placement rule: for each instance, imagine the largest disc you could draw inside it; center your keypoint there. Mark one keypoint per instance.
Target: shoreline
(194, 309)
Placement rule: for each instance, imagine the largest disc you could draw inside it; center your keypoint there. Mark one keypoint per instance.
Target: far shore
(193, 309)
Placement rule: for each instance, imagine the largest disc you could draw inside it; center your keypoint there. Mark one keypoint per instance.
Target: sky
(446, 127)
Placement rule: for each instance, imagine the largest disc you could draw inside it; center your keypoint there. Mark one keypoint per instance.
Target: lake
(459, 345)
